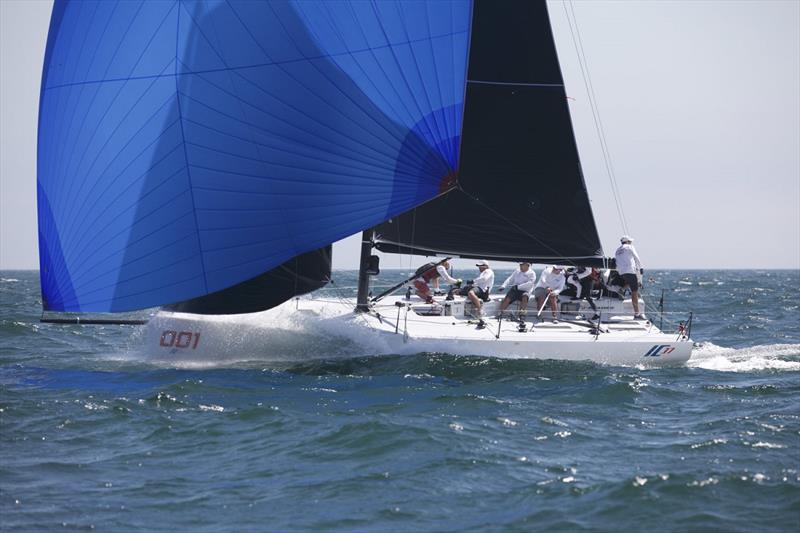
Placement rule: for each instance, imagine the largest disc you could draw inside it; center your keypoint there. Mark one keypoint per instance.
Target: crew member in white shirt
(629, 266)
(478, 290)
(550, 284)
(444, 273)
(521, 282)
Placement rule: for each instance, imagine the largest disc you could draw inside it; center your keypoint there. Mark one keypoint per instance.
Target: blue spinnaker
(185, 147)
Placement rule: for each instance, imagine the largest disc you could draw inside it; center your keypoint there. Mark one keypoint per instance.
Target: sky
(699, 102)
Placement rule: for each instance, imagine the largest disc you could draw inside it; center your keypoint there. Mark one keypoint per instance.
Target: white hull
(313, 328)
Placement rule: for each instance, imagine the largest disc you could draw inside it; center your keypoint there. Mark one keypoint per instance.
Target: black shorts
(514, 295)
(632, 281)
(480, 293)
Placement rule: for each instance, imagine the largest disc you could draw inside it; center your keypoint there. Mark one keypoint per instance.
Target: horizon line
(511, 268)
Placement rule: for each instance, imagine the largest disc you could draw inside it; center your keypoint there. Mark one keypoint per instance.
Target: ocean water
(92, 436)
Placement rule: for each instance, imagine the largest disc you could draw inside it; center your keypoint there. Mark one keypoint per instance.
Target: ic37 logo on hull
(659, 349)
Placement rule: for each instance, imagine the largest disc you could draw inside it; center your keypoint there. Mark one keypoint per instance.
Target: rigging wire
(584, 66)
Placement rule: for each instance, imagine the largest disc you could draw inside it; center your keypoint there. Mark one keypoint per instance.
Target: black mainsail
(520, 189)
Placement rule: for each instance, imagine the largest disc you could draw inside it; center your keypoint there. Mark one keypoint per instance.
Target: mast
(364, 268)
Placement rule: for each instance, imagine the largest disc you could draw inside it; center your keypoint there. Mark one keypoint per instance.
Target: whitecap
(709, 443)
(768, 445)
(553, 421)
(703, 482)
(507, 422)
(212, 407)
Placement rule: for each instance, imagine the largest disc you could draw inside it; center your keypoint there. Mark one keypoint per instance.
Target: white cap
(482, 263)
(558, 267)
(625, 238)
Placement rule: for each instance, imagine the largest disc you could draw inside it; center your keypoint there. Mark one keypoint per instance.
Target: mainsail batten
(185, 148)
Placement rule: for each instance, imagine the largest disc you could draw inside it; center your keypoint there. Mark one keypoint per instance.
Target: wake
(709, 356)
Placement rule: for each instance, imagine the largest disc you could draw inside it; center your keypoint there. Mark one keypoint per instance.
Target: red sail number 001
(179, 339)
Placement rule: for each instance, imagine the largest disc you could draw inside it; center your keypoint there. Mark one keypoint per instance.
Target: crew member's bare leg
(423, 291)
(523, 305)
(476, 301)
(505, 303)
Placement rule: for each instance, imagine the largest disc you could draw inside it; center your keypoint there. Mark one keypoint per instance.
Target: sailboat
(202, 157)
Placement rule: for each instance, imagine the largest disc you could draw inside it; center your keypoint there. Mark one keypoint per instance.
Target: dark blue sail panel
(185, 147)
(299, 275)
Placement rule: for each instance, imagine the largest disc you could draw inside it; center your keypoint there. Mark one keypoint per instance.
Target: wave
(709, 356)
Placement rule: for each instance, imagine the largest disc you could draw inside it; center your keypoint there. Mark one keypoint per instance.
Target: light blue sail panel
(185, 147)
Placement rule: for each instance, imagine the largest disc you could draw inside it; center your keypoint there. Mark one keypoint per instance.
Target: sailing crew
(430, 273)
(583, 279)
(477, 290)
(612, 284)
(629, 266)
(550, 284)
(521, 282)
(575, 277)
(444, 273)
